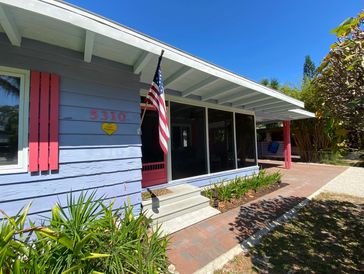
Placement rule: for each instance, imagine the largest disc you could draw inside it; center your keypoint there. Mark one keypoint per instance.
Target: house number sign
(109, 118)
(106, 115)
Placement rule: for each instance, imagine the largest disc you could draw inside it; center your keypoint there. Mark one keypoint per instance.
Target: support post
(287, 144)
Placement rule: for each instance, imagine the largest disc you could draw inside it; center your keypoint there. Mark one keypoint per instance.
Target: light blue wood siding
(89, 159)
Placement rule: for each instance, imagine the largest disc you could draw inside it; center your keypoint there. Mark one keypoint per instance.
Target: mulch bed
(251, 195)
(155, 193)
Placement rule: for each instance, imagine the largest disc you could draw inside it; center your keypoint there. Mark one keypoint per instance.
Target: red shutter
(53, 123)
(43, 121)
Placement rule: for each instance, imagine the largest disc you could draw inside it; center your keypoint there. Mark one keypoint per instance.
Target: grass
(337, 159)
(325, 237)
(240, 264)
(343, 162)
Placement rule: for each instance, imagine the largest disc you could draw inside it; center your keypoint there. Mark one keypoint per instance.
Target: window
(181, 136)
(245, 140)
(188, 141)
(221, 140)
(14, 101)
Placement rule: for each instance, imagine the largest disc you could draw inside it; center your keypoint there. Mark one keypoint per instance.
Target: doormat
(155, 193)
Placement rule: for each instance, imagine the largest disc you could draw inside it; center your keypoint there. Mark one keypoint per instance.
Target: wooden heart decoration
(109, 128)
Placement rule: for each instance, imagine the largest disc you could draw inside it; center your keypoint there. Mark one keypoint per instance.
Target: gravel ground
(350, 182)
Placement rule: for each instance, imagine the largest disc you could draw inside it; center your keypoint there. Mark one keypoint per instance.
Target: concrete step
(179, 193)
(170, 210)
(186, 220)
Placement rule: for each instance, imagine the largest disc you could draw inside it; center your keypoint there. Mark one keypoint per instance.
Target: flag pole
(146, 103)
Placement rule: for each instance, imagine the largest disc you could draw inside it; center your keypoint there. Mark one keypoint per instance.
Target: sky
(256, 39)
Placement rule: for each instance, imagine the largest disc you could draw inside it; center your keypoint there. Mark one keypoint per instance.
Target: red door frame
(154, 173)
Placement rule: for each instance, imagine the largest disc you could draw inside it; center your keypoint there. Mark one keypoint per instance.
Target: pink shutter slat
(34, 122)
(53, 122)
(44, 122)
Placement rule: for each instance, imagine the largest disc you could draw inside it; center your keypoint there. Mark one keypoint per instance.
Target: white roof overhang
(186, 76)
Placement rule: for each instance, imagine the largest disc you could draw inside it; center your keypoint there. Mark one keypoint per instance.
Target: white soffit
(61, 24)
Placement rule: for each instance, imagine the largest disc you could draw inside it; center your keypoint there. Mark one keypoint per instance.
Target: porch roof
(186, 76)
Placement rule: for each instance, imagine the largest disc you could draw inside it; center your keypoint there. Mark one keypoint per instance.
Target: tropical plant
(133, 246)
(317, 135)
(71, 232)
(85, 236)
(340, 80)
(235, 189)
(12, 249)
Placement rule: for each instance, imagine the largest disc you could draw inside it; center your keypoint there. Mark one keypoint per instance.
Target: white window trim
(24, 76)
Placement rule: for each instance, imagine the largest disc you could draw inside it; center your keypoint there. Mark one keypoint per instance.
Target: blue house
(72, 85)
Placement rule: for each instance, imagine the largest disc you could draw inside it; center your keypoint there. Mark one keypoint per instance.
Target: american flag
(155, 97)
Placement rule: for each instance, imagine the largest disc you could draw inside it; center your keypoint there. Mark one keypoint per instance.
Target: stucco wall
(89, 159)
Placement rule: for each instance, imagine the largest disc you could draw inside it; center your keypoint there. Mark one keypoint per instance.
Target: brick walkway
(196, 246)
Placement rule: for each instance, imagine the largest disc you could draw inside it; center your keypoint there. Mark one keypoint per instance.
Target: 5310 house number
(105, 115)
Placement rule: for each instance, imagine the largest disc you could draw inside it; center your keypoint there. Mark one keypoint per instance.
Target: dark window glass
(9, 117)
(245, 140)
(221, 140)
(188, 141)
(151, 149)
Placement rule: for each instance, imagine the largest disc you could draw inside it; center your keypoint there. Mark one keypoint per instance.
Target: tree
(340, 79)
(10, 85)
(265, 82)
(308, 68)
(274, 84)
(291, 91)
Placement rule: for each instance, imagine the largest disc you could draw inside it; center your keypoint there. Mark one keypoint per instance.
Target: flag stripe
(156, 98)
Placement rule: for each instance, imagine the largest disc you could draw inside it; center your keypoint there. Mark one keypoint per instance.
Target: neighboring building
(78, 79)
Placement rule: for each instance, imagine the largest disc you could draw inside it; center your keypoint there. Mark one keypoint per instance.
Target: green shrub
(86, 236)
(240, 185)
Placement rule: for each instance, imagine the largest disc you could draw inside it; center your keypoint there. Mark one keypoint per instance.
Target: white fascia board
(89, 21)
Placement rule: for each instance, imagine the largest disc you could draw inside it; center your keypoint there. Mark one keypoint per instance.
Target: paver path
(194, 247)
